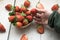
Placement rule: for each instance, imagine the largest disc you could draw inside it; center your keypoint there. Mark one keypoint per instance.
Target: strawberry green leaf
(11, 13)
(26, 20)
(14, 22)
(39, 25)
(23, 14)
(13, 8)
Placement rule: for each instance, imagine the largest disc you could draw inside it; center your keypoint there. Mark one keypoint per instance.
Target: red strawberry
(2, 28)
(40, 5)
(28, 13)
(33, 11)
(24, 37)
(55, 7)
(21, 10)
(19, 24)
(25, 22)
(40, 29)
(24, 9)
(17, 13)
(27, 3)
(29, 17)
(19, 17)
(8, 7)
(11, 18)
(17, 9)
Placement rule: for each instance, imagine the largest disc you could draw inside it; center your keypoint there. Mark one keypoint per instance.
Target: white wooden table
(31, 32)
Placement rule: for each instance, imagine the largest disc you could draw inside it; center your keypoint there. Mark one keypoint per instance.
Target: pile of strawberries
(21, 16)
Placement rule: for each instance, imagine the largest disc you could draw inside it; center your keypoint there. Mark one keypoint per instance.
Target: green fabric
(54, 21)
(51, 20)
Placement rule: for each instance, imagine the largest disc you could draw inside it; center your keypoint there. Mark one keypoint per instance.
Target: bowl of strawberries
(21, 17)
(20, 20)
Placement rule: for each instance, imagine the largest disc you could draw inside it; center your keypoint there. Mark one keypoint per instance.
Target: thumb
(40, 10)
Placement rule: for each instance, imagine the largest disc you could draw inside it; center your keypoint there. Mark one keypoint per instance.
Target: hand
(41, 17)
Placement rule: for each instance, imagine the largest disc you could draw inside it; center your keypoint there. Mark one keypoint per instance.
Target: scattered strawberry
(8, 7)
(29, 17)
(25, 22)
(40, 29)
(2, 28)
(33, 11)
(55, 7)
(28, 13)
(40, 6)
(19, 17)
(27, 3)
(24, 37)
(19, 24)
(11, 18)
(17, 13)
(17, 9)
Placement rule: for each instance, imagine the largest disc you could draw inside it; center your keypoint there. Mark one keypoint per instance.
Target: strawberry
(17, 13)
(8, 7)
(20, 10)
(40, 29)
(28, 13)
(25, 22)
(33, 11)
(17, 9)
(11, 18)
(24, 37)
(40, 6)
(19, 17)
(55, 7)
(24, 9)
(27, 3)
(2, 28)
(19, 24)
(29, 17)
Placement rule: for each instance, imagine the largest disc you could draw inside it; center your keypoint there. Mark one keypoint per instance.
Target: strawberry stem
(38, 25)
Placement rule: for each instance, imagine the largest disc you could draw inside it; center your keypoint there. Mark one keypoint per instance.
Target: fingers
(41, 17)
(42, 22)
(38, 22)
(41, 10)
(36, 18)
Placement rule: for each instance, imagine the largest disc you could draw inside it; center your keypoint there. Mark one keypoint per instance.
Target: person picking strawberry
(46, 18)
